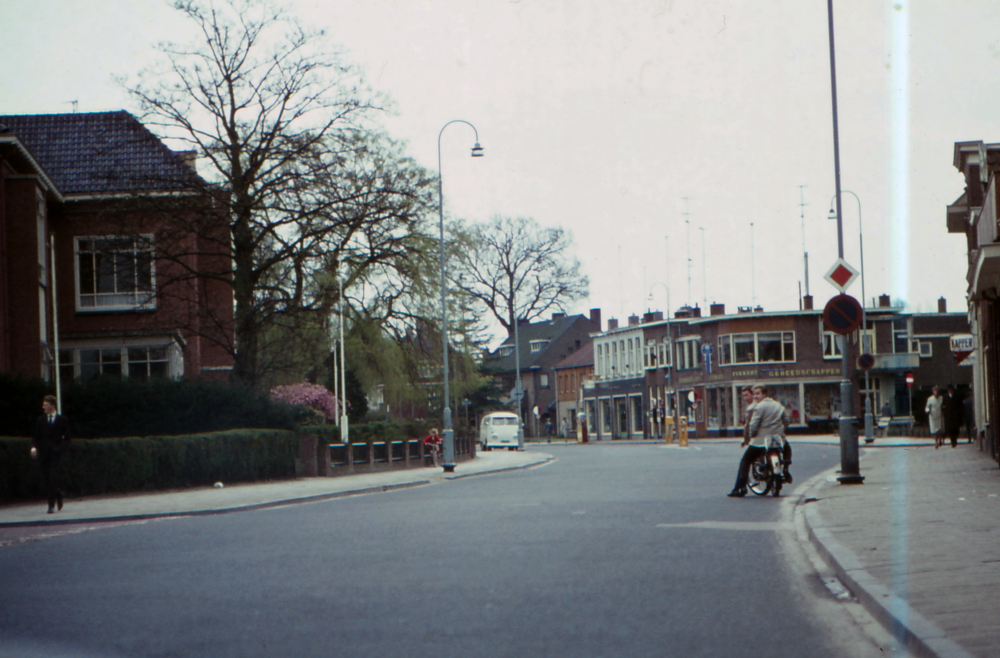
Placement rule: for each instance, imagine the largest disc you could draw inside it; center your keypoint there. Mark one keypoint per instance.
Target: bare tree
(518, 269)
(306, 188)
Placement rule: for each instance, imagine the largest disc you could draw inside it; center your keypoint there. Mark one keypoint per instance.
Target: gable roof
(578, 359)
(547, 330)
(100, 153)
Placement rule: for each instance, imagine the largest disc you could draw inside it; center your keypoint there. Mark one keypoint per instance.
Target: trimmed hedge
(120, 465)
(115, 407)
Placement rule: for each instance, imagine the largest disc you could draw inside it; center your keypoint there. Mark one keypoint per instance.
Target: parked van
(499, 430)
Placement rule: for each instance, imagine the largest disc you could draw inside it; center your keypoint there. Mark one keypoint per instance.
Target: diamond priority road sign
(841, 275)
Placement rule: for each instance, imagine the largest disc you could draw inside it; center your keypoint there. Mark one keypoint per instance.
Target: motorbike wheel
(760, 478)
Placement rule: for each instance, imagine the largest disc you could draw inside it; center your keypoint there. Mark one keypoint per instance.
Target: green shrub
(115, 407)
(120, 465)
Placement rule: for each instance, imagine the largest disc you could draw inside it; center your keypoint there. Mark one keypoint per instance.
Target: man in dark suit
(50, 441)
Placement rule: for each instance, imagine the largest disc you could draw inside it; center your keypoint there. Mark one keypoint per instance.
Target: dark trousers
(953, 432)
(49, 461)
(749, 457)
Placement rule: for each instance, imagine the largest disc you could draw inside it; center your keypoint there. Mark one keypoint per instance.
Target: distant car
(499, 430)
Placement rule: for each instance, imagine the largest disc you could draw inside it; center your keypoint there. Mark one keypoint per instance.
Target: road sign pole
(850, 469)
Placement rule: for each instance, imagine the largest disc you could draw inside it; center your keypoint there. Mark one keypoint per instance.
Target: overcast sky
(602, 116)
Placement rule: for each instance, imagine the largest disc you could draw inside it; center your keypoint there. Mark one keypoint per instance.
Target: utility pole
(687, 223)
(704, 287)
(805, 254)
(753, 274)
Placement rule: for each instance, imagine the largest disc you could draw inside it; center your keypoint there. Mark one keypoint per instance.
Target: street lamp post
(865, 343)
(850, 470)
(449, 434)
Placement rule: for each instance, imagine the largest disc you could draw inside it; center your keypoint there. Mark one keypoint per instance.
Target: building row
(625, 381)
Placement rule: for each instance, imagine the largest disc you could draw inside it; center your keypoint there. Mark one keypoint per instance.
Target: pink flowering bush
(309, 395)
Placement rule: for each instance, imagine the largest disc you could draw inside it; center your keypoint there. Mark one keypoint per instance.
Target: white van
(499, 430)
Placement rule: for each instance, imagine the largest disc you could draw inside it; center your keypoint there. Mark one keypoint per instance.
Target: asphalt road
(610, 550)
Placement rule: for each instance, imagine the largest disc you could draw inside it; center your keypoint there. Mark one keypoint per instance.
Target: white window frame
(922, 347)
(835, 352)
(537, 345)
(104, 302)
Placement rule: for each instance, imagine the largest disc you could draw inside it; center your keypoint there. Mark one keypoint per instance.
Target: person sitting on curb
(769, 419)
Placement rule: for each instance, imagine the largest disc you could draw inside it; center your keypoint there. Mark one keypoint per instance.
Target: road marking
(769, 526)
(580, 513)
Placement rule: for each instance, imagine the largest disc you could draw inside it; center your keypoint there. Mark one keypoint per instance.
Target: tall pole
(850, 471)
(753, 272)
(55, 321)
(802, 216)
(344, 433)
(704, 286)
(449, 434)
(518, 393)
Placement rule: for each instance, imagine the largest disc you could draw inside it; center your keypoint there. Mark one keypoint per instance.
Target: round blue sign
(842, 314)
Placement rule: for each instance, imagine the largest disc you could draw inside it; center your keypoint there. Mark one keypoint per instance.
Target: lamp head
(832, 215)
(477, 151)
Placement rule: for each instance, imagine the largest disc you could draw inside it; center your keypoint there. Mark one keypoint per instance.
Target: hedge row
(116, 407)
(120, 465)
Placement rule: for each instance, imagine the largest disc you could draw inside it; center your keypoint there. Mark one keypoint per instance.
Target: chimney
(653, 316)
(744, 309)
(190, 158)
(612, 324)
(633, 320)
(684, 312)
(717, 309)
(884, 301)
(696, 312)
(558, 316)
(807, 303)
(758, 309)
(942, 305)
(595, 317)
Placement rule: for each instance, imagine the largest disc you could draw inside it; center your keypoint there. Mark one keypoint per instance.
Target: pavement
(242, 497)
(918, 543)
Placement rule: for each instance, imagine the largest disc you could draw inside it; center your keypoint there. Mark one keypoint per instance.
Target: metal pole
(344, 432)
(850, 472)
(518, 393)
(753, 280)
(55, 320)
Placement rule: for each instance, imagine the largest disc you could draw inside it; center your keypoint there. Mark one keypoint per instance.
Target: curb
(522, 467)
(912, 629)
(212, 512)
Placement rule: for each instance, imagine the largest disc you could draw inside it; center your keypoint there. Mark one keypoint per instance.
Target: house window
(538, 345)
(505, 350)
(687, 354)
(97, 362)
(923, 348)
(114, 273)
(831, 350)
(148, 362)
(769, 346)
(544, 380)
(137, 362)
(661, 349)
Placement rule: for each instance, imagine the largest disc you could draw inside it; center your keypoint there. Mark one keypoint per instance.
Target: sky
(675, 139)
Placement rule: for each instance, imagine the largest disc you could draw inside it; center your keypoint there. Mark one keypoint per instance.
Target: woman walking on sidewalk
(935, 417)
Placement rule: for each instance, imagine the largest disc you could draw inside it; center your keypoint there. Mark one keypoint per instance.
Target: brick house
(542, 345)
(103, 194)
(573, 374)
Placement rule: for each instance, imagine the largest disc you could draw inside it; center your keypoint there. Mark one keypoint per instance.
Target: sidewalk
(918, 544)
(248, 496)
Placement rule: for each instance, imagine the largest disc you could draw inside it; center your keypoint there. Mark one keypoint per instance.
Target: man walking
(951, 410)
(50, 441)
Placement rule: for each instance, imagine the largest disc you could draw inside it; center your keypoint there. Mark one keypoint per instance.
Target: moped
(766, 471)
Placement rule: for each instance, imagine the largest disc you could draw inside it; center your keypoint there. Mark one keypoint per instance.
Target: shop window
(725, 356)
(743, 348)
